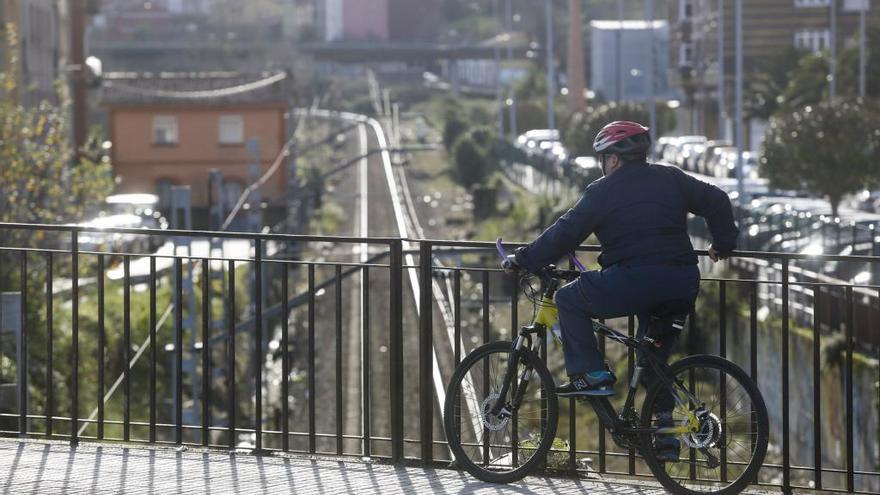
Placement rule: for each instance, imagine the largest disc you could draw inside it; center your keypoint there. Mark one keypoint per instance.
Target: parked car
(673, 152)
(531, 140)
(583, 170)
(726, 166)
(703, 160)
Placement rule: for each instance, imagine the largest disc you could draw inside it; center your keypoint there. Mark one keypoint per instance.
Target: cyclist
(638, 211)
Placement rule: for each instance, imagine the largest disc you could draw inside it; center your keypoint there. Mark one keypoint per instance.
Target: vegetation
(473, 155)
(41, 179)
(829, 150)
(792, 79)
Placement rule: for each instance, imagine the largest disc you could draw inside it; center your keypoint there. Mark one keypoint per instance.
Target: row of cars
(698, 154)
(543, 150)
(771, 219)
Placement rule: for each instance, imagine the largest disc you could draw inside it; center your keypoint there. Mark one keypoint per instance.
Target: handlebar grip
(576, 262)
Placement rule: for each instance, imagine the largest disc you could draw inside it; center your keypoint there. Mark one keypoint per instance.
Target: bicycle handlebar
(550, 270)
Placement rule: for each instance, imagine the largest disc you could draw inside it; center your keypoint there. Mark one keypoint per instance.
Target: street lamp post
(721, 97)
(618, 54)
(551, 79)
(739, 100)
(650, 72)
(832, 64)
(862, 55)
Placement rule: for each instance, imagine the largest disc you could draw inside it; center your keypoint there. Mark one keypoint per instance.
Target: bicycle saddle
(673, 307)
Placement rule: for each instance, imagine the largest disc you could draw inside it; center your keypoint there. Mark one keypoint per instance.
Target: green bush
(473, 156)
(456, 125)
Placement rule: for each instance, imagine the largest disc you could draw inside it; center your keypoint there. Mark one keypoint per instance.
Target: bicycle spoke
(721, 451)
(497, 443)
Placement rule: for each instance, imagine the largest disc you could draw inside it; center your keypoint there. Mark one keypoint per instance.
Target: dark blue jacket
(639, 214)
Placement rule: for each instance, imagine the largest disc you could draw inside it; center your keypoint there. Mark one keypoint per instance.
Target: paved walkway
(36, 467)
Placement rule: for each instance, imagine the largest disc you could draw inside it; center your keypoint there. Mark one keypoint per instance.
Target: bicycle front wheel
(500, 448)
(722, 422)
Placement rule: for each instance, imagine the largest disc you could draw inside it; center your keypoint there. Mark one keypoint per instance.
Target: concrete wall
(139, 164)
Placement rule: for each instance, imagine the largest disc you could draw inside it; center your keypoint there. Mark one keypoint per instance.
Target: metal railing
(285, 343)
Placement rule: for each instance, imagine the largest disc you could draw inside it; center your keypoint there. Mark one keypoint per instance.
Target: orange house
(173, 128)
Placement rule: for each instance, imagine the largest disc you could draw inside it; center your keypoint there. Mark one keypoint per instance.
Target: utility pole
(650, 72)
(551, 76)
(498, 93)
(721, 96)
(513, 126)
(508, 23)
(862, 41)
(739, 100)
(77, 70)
(832, 64)
(576, 84)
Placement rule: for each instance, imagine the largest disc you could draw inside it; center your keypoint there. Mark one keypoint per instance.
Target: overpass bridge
(258, 368)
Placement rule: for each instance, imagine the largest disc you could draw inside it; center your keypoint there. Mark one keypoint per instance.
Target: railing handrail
(389, 240)
(200, 233)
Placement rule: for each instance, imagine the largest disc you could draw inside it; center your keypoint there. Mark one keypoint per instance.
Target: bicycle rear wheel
(505, 448)
(728, 447)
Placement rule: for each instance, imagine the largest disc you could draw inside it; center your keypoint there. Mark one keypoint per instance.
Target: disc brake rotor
(708, 435)
(490, 421)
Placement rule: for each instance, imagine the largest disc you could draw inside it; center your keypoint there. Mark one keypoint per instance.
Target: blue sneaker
(666, 447)
(594, 383)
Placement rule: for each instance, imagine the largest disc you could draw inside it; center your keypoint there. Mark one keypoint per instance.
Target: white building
(620, 55)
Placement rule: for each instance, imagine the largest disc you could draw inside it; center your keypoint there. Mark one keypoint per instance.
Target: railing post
(786, 454)
(426, 339)
(178, 350)
(21, 358)
(396, 344)
(258, 345)
(848, 380)
(74, 351)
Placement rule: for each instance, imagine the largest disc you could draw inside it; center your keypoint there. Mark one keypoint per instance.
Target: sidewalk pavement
(44, 467)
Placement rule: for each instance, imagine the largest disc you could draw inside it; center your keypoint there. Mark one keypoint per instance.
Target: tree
(582, 127)
(828, 150)
(40, 181)
(473, 155)
(456, 124)
(768, 81)
(808, 85)
(848, 67)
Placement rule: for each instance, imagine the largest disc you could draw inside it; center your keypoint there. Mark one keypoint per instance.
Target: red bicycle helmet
(622, 137)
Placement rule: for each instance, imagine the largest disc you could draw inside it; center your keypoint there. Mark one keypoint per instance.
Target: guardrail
(260, 349)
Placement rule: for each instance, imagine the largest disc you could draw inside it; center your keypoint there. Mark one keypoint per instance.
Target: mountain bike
(501, 409)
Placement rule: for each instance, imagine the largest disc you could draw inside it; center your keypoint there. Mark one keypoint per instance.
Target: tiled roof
(126, 88)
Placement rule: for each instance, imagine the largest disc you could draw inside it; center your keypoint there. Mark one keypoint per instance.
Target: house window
(812, 3)
(165, 129)
(231, 129)
(814, 40)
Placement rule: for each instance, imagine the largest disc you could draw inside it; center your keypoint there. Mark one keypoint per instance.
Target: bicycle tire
(749, 474)
(449, 422)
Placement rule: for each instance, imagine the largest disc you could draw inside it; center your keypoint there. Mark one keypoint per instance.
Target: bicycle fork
(509, 376)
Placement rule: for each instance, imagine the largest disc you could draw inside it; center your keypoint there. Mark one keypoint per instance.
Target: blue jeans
(614, 292)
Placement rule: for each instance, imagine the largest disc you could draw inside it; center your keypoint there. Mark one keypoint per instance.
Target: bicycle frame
(616, 423)
(547, 316)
